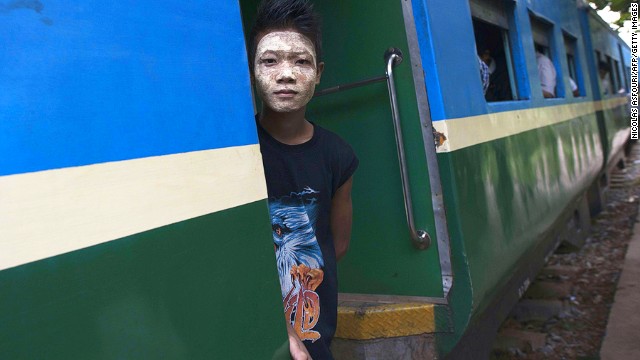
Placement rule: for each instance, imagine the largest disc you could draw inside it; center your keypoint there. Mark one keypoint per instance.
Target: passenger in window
(574, 88)
(603, 71)
(499, 86)
(486, 57)
(484, 75)
(547, 74)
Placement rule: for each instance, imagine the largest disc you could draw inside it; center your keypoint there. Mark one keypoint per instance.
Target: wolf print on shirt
(299, 259)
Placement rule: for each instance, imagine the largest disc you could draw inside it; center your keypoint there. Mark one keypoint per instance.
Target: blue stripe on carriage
(92, 81)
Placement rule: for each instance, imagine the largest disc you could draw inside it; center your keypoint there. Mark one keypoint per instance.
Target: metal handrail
(348, 86)
(393, 57)
(420, 238)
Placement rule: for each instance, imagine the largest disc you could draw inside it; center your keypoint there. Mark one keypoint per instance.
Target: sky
(610, 16)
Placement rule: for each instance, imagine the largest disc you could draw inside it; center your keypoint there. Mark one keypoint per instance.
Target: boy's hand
(296, 347)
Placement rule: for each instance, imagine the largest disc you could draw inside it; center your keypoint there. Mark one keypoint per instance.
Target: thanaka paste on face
(285, 70)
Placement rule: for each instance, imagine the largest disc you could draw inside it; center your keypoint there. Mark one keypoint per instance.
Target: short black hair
(297, 15)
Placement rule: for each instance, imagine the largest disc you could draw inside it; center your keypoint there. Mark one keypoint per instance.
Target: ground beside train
(623, 329)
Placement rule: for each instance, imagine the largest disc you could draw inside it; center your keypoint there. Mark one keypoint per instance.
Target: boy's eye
(303, 62)
(268, 61)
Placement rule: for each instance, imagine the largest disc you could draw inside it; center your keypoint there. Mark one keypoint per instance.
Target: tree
(621, 6)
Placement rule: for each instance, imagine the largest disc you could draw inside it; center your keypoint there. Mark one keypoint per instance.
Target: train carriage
(133, 217)
(132, 196)
(605, 48)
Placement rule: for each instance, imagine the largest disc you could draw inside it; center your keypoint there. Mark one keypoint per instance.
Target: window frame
(500, 14)
(542, 34)
(574, 67)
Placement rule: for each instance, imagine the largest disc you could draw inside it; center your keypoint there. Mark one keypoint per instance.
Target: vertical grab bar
(420, 238)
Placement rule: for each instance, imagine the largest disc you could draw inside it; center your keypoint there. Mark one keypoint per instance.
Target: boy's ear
(319, 70)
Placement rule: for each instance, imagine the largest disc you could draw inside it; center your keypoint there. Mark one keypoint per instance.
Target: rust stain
(438, 137)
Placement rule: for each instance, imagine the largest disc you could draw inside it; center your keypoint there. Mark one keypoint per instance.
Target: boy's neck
(288, 128)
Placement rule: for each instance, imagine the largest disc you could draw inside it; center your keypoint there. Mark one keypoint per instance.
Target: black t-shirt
(301, 182)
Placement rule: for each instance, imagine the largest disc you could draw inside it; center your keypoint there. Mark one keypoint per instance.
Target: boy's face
(286, 71)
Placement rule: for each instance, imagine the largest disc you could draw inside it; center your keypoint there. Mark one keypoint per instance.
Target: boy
(308, 172)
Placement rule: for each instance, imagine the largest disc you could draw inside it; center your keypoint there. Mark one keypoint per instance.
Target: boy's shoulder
(338, 150)
(328, 137)
(323, 144)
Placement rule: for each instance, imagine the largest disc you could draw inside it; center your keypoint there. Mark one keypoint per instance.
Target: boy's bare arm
(341, 215)
(296, 348)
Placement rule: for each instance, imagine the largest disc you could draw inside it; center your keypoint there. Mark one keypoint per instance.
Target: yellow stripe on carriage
(464, 132)
(48, 213)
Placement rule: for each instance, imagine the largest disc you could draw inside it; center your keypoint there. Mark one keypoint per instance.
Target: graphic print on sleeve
(299, 259)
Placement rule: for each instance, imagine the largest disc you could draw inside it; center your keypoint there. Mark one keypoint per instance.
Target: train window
(612, 79)
(607, 79)
(616, 69)
(623, 67)
(548, 72)
(575, 76)
(491, 32)
(598, 57)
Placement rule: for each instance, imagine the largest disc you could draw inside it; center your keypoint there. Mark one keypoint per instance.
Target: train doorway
(382, 260)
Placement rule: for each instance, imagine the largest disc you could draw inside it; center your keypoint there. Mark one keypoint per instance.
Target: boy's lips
(285, 93)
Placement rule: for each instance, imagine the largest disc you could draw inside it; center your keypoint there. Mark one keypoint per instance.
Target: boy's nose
(286, 75)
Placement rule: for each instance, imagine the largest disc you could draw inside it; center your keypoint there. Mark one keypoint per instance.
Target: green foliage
(600, 4)
(616, 5)
(621, 6)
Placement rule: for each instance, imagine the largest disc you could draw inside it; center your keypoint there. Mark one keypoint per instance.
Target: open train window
(627, 78)
(491, 32)
(575, 74)
(616, 70)
(598, 56)
(625, 75)
(608, 80)
(548, 72)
